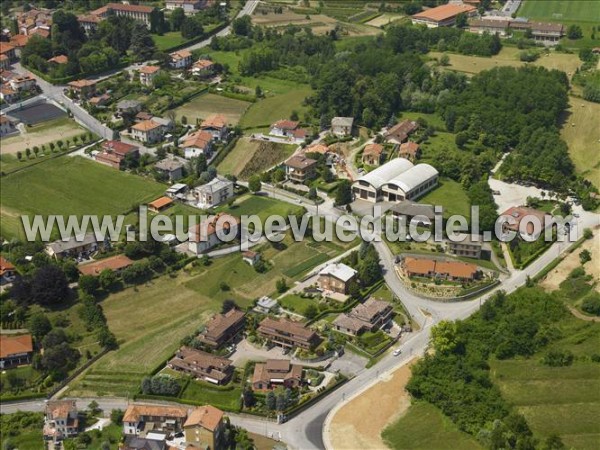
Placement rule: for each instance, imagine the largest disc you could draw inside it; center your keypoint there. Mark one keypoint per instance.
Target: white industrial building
(395, 181)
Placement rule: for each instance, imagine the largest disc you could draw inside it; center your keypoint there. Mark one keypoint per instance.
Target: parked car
(397, 352)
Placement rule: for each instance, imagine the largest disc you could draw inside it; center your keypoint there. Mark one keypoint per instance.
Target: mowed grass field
(585, 13)
(239, 156)
(582, 134)
(70, 185)
(558, 400)
(509, 56)
(424, 426)
(204, 105)
(42, 133)
(150, 320)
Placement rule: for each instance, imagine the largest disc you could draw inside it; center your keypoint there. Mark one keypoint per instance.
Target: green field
(168, 40)
(585, 13)
(175, 306)
(238, 157)
(70, 185)
(252, 156)
(261, 206)
(271, 109)
(204, 105)
(452, 196)
(425, 427)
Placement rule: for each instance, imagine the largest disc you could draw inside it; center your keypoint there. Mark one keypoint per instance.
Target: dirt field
(384, 19)
(560, 273)
(43, 133)
(582, 134)
(289, 17)
(509, 56)
(350, 430)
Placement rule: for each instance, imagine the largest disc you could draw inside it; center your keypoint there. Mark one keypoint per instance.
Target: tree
(445, 60)
(116, 416)
(574, 32)
(248, 398)
(228, 305)
(311, 311)
(142, 45)
(258, 92)
(39, 325)
(19, 155)
(36, 150)
(254, 184)
(89, 284)
(242, 26)
(444, 337)
(461, 139)
(461, 20)
(28, 152)
(191, 28)
(270, 401)
(585, 256)
(312, 193)
(94, 408)
(177, 18)
(281, 285)
(49, 286)
(224, 286)
(107, 279)
(343, 194)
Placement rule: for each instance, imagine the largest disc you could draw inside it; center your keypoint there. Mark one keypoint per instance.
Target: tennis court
(40, 112)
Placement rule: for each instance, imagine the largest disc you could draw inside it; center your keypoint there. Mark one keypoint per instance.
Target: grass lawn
(585, 13)
(168, 40)
(239, 156)
(43, 133)
(424, 426)
(150, 320)
(583, 139)
(111, 434)
(295, 303)
(203, 395)
(250, 157)
(70, 185)
(277, 107)
(509, 56)
(262, 206)
(452, 196)
(432, 119)
(558, 400)
(204, 105)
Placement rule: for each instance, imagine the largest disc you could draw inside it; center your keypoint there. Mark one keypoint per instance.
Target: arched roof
(385, 173)
(413, 177)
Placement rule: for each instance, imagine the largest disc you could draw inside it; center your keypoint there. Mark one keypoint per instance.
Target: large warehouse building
(396, 181)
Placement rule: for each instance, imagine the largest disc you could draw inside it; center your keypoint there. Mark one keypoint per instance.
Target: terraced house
(276, 372)
(201, 365)
(368, 316)
(223, 328)
(285, 333)
(142, 419)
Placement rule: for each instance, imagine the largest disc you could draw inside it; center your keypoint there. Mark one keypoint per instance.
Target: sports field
(582, 134)
(70, 186)
(43, 133)
(175, 306)
(204, 105)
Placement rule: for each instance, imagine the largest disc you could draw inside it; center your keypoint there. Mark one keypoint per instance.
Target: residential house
(400, 132)
(216, 125)
(285, 333)
(524, 220)
(160, 204)
(197, 143)
(59, 59)
(342, 126)
(83, 89)
(204, 428)
(177, 190)
(113, 263)
(266, 305)
(75, 246)
(147, 75)
(9, 95)
(4, 61)
(250, 257)
(7, 270)
(128, 107)
(23, 83)
(180, 59)
(100, 100)
(336, 278)
(213, 193)
(545, 33)
(61, 420)
(299, 168)
(15, 350)
(213, 231)
(372, 154)
(142, 116)
(171, 167)
(153, 441)
(449, 270)
(19, 42)
(276, 372)
(289, 129)
(410, 150)
(89, 22)
(202, 365)
(139, 13)
(203, 68)
(29, 22)
(321, 149)
(9, 52)
(223, 328)
(468, 245)
(443, 15)
(114, 153)
(149, 131)
(409, 210)
(189, 6)
(149, 418)
(6, 126)
(368, 316)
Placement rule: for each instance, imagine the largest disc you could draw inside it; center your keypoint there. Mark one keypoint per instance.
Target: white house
(216, 125)
(198, 142)
(188, 6)
(213, 193)
(149, 131)
(342, 126)
(205, 235)
(147, 75)
(180, 59)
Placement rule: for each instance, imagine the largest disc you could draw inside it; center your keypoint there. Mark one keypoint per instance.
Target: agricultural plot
(384, 19)
(40, 134)
(582, 134)
(204, 105)
(177, 306)
(68, 186)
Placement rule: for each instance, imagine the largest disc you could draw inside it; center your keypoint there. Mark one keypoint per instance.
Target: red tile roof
(214, 121)
(444, 12)
(13, 345)
(149, 69)
(207, 417)
(160, 203)
(118, 147)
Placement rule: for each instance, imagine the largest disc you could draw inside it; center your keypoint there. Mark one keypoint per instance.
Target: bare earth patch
(43, 133)
(560, 272)
(351, 429)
